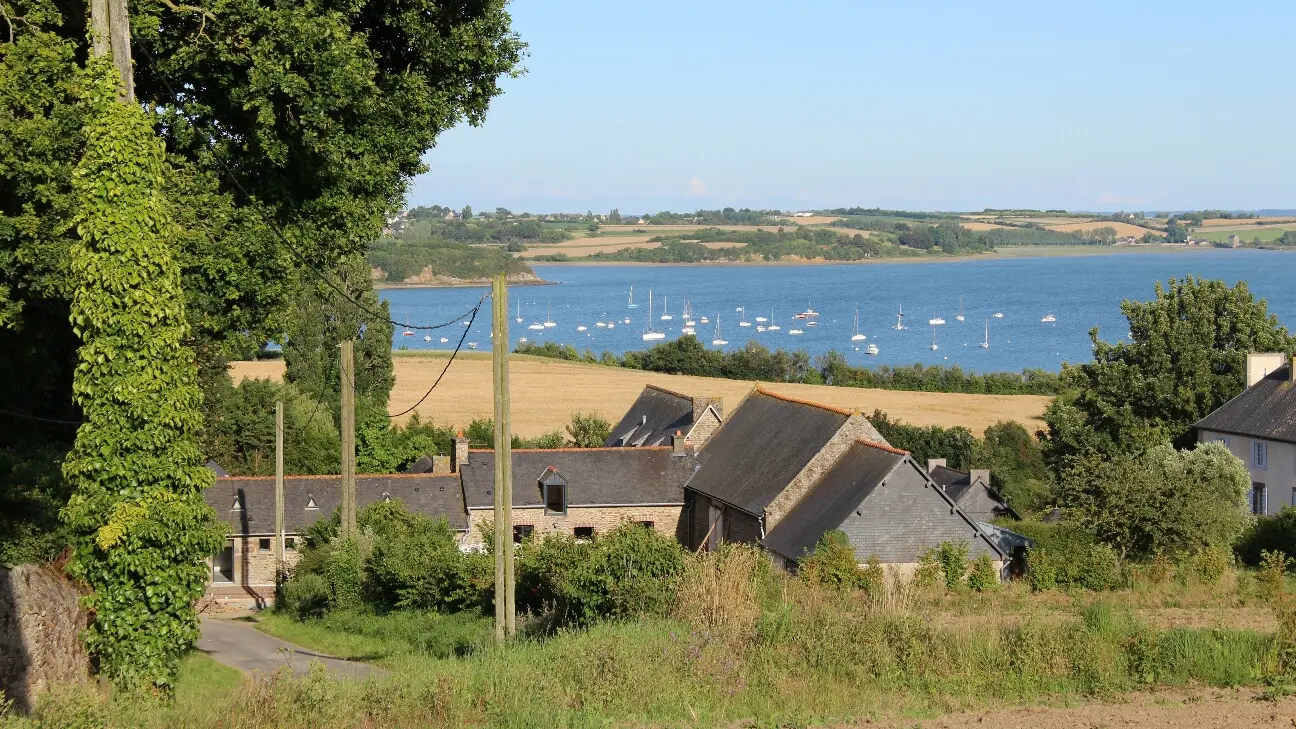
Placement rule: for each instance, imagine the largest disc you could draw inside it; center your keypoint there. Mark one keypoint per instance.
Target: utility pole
(347, 369)
(279, 498)
(505, 599)
(110, 22)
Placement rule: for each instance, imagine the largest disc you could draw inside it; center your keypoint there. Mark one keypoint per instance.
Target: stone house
(970, 490)
(766, 456)
(658, 414)
(888, 507)
(1259, 426)
(244, 570)
(581, 491)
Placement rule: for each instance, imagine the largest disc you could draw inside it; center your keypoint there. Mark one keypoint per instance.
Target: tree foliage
(139, 523)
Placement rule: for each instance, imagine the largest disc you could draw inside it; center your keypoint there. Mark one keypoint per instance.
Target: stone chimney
(932, 463)
(1260, 364)
(459, 456)
(982, 475)
(678, 448)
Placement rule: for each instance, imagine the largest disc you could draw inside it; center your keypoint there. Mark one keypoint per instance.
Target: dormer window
(553, 488)
(238, 504)
(310, 503)
(386, 496)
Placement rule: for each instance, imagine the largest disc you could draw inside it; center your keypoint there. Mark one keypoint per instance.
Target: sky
(953, 106)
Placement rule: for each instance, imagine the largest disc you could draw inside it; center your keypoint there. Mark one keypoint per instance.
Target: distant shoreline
(1005, 253)
(461, 284)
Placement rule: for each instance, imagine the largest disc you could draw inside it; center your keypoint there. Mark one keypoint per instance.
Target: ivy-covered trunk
(141, 528)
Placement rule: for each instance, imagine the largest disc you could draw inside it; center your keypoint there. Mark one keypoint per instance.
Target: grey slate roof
(433, 496)
(956, 483)
(1264, 410)
(976, 498)
(595, 476)
(841, 490)
(761, 447)
(655, 415)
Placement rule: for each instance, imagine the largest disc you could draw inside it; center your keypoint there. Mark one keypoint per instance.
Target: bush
(1276, 532)
(983, 577)
(952, 558)
(416, 562)
(344, 573)
(832, 564)
(873, 577)
(304, 596)
(1210, 564)
(1272, 577)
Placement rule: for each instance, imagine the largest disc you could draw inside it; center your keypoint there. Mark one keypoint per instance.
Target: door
(223, 565)
(715, 530)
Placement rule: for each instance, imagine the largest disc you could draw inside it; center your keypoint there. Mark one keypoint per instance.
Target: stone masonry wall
(855, 428)
(703, 428)
(665, 520)
(254, 567)
(40, 618)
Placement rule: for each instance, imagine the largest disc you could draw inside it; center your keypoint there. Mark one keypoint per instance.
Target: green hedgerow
(983, 577)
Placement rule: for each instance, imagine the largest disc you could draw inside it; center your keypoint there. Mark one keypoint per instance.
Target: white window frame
(1259, 455)
(1259, 498)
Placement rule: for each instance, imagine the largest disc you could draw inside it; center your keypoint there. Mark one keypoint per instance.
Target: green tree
(140, 527)
(1187, 357)
(1017, 468)
(466, 213)
(1161, 500)
(588, 431)
(614, 217)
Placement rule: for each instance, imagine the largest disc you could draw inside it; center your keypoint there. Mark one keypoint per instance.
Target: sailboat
(809, 311)
(549, 322)
(936, 321)
(960, 314)
(519, 314)
(899, 319)
(718, 341)
(688, 313)
(426, 337)
(871, 349)
(408, 332)
(631, 304)
(649, 333)
(744, 322)
(773, 325)
(582, 328)
(1049, 318)
(933, 344)
(857, 337)
(666, 316)
(986, 343)
(998, 315)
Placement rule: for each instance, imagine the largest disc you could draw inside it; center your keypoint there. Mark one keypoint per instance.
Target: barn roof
(594, 476)
(655, 415)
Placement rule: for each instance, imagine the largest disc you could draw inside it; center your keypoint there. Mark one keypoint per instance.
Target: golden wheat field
(546, 392)
(1122, 229)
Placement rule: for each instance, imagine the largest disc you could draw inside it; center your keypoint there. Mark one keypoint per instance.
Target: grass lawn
(1266, 234)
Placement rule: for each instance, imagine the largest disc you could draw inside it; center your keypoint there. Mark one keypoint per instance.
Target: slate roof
(655, 415)
(761, 447)
(851, 479)
(1264, 410)
(956, 483)
(434, 496)
(959, 486)
(595, 476)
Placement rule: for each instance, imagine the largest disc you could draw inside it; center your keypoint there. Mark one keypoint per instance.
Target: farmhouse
(1259, 426)
(658, 414)
(970, 490)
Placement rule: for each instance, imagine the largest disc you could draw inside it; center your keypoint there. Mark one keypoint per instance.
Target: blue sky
(921, 105)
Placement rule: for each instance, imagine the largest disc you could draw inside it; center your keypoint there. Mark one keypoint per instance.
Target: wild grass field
(1266, 234)
(546, 391)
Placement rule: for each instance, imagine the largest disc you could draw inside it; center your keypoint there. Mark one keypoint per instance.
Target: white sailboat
(631, 304)
(998, 315)
(795, 332)
(688, 313)
(666, 315)
(986, 343)
(582, 328)
(899, 319)
(519, 314)
(960, 314)
(535, 326)
(933, 344)
(624, 321)
(773, 325)
(717, 341)
(649, 333)
(444, 340)
(549, 322)
(857, 337)
(809, 311)
(743, 322)
(936, 321)
(871, 349)
(1049, 318)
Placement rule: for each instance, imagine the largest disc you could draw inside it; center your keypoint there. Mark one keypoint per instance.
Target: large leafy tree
(1186, 358)
(308, 117)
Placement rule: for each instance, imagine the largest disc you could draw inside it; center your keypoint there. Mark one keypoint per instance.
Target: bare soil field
(1171, 709)
(546, 392)
(1122, 229)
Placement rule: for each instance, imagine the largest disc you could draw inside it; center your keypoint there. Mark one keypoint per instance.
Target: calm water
(1082, 291)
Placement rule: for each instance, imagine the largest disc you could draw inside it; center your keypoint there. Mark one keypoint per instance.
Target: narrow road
(242, 646)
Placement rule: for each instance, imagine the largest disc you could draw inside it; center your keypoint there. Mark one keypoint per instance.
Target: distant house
(765, 457)
(970, 490)
(1234, 241)
(1259, 426)
(887, 506)
(580, 491)
(244, 570)
(658, 414)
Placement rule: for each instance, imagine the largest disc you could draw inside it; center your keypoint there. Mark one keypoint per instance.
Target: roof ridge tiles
(673, 393)
(336, 475)
(576, 450)
(801, 401)
(881, 446)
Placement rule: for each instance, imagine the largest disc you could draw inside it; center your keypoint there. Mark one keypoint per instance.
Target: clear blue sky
(918, 105)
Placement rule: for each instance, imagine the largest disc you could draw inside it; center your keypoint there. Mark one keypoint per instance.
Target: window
(522, 531)
(237, 505)
(263, 545)
(556, 498)
(647, 524)
(1259, 499)
(1221, 439)
(583, 532)
(290, 543)
(310, 503)
(1259, 454)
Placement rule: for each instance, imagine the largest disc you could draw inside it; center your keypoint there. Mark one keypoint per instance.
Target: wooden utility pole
(505, 599)
(279, 499)
(347, 369)
(110, 23)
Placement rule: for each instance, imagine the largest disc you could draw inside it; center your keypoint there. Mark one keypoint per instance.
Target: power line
(453, 354)
(274, 228)
(42, 420)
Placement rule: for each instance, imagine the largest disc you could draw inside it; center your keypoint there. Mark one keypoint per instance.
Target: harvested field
(590, 246)
(669, 229)
(816, 220)
(978, 225)
(1122, 229)
(546, 392)
(1247, 223)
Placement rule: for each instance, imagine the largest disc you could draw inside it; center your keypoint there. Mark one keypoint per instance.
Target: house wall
(738, 526)
(252, 567)
(1279, 473)
(703, 428)
(665, 519)
(904, 517)
(855, 427)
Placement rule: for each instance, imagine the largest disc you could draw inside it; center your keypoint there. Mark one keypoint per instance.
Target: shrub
(304, 596)
(1210, 564)
(873, 577)
(1275, 532)
(832, 564)
(952, 557)
(983, 577)
(344, 573)
(415, 562)
(1041, 571)
(1273, 574)
(928, 571)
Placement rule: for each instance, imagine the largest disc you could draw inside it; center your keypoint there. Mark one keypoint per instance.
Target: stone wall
(703, 428)
(256, 567)
(665, 519)
(40, 618)
(855, 428)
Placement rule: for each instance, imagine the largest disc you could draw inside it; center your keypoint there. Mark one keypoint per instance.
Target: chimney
(1260, 364)
(932, 463)
(677, 445)
(982, 475)
(459, 455)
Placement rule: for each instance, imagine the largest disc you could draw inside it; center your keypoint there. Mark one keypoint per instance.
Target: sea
(1011, 297)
